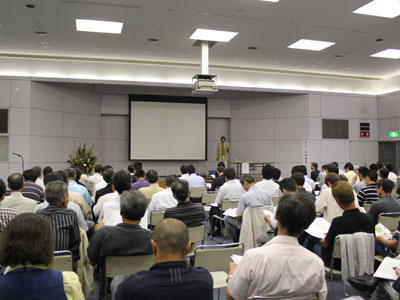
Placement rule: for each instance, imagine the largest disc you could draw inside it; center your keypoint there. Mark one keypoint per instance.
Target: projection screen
(168, 128)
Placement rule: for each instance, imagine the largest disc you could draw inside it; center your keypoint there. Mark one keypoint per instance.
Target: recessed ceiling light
(213, 35)
(380, 8)
(99, 26)
(388, 53)
(310, 45)
(270, 0)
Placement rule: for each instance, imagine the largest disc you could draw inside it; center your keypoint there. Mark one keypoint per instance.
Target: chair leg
(219, 291)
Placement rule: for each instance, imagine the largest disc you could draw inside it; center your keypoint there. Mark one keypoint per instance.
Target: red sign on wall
(364, 130)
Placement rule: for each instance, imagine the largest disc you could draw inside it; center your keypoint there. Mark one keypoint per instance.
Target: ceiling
(269, 26)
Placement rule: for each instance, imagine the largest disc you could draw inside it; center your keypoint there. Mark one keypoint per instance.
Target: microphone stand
(22, 160)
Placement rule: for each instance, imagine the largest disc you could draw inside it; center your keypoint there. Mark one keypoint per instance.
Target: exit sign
(393, 134)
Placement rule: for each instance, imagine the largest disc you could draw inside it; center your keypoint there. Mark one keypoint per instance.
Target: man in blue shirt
(73, 186)
(170, 277)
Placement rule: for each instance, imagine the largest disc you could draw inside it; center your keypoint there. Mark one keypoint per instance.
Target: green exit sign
(393, 134)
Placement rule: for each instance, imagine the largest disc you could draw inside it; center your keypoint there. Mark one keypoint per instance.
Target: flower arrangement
(83, 157)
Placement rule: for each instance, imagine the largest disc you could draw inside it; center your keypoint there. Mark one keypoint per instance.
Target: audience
(126, 238)
(47, 170)
(6, 214)
(369, 192)
(64, 221)
(73, 186)
(321, 175)
(350, 222)
(27, 247)
(38, 171)
(16, 200)
(137, 165)
(101, 184)
(276, 177)
(170, 277)
(383, 173)
(153, 179)
(163, 200)
(192, 214)
(281, 267)
(97, 176)
(287, 186)
(309, 184)
(350, 174)
(184, 173)
(359, 183)
(253, 197)
(314, 171)
(299, 179)
(392, 176)
(195, 181)
(219, 180)
(326, 204)
(267, 183)
(386, 203)
(31, 190)
(107, 175)
(140, 180)
(71, 205)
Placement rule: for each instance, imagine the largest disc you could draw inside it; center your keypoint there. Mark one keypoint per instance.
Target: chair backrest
(216, 257)
(229, 204)
(62, 261)
(197, 193)
(280, 297)
(208, 197)
(275, 200)
(127, 265)
(367, 205)
(336, 248)
(156, 217)
(196, 234)
(390, 220)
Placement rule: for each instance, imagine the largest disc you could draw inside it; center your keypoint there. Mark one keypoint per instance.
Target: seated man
(107, 175)
(267, 183)
(232, 190)
(184, 173)
(77, 188)
(170, 277)
(127, 238)
(326, 204)
(254, 196)
(358, 181)
(32, 190)
(281, 267)
(192, 214)
(195, 181)
(63, 220)
(219, 180)
(6, 214)
(351, 221)
(299, 179)
(369, 192)
(153, 179)
(386, 203)
(16, 200)
(350, 174)
(140, 180)
(163, 200)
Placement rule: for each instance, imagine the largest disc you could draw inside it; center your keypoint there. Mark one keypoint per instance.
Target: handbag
(364, 283)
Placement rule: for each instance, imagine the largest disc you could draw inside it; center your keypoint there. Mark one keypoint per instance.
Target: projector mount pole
(204, 57)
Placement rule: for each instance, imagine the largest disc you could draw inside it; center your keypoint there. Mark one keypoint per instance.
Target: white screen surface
(167, 131)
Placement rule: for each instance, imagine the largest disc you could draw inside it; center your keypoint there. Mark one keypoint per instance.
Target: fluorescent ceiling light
(310, 45)
(380, 8)
(388, 53)
(270, 0)
(99, 26)
(213, 35)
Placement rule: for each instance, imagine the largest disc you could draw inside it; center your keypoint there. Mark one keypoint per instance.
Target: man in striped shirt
(369, 193)
(6, 214)
(31, 189)
(63, 220)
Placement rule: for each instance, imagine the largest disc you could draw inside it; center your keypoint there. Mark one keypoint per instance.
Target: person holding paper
(254, 196)
(125, 239)
(350, 222)
(282, 267)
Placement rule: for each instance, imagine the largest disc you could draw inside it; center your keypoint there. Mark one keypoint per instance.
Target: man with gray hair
(170, 277)
(64, 221)
(254, 196)
(125, 239)
(77, 188)
(16, 200)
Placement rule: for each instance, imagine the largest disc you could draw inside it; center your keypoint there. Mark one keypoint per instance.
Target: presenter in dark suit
(223, 151)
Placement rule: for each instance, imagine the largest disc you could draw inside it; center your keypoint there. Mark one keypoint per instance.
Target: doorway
(389, 152)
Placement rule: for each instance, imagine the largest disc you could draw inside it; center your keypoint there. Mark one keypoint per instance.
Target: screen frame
(169, 99)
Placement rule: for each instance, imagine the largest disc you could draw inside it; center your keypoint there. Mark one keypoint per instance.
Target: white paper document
(231, 212)
(213, 204)
(274, 222)
(319, 228)
(236, 258)
(382, 230)
(385, 270)
(245, 168)
(112, 217)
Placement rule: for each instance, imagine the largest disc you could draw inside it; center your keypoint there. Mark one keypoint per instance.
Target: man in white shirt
(392, 175)
(281, 267)
(39, 180)
(309, 184)
(96, 177)
(267, 183)
(184, 172)
(163, 200)
(231, 190)
(101, 183)
(350, 174)
(16, 200)
(195, 181)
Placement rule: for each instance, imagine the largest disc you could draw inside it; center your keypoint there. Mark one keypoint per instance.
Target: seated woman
(26, 247)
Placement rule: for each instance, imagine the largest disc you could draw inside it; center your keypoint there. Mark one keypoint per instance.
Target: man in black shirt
(350, 222)
(314, 171)
(386, 203)
(169, 278)
(107, 175)
(219, 180)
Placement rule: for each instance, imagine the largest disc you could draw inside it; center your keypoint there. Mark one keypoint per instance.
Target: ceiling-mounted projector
(204, 84)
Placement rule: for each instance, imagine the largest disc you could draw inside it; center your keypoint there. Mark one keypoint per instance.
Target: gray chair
(196, 235)
(390, 220)
(62, 261)
(156, 217)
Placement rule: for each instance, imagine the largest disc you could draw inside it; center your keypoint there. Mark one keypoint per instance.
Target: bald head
(15, 182)
(172, 237)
